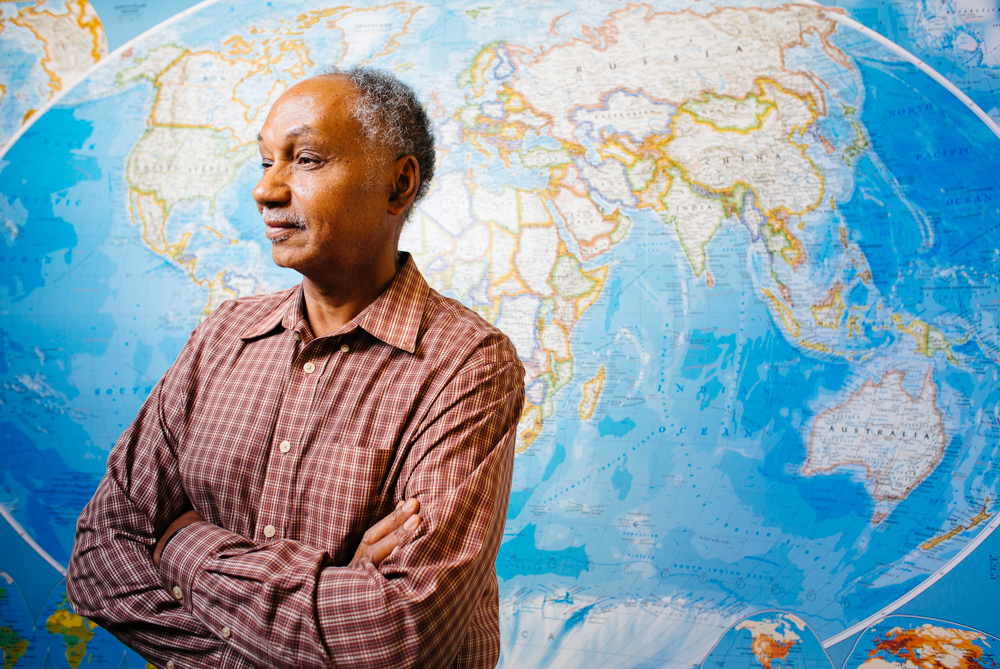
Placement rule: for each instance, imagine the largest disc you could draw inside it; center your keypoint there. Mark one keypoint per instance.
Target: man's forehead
(314, 107)
(325, 92)
(303, 130)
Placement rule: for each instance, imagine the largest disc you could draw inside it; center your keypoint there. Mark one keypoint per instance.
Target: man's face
(324, 218)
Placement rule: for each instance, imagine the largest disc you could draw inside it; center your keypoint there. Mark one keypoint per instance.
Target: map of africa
(746, 252)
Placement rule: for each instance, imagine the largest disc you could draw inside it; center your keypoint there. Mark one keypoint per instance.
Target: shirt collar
(394, 317)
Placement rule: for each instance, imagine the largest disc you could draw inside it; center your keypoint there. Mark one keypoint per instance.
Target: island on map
(896, 438)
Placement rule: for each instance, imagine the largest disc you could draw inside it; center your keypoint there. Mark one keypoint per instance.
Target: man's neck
(328, 306)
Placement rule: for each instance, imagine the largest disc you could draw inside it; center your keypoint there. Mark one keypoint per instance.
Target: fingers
(382, 528)
(385, 527)
(381, 549)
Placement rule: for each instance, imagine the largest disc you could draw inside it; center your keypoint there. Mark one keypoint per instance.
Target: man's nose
(272, 189)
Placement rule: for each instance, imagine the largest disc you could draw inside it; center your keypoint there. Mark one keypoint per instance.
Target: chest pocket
(338, 493)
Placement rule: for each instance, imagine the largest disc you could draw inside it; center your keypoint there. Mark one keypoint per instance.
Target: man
(224, 531)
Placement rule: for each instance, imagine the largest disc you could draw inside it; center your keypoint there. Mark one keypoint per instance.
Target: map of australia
(895, 438)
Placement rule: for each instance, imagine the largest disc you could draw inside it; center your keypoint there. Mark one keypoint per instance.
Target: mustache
(272, 215)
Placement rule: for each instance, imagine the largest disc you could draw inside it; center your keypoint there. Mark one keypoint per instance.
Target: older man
(224, 531)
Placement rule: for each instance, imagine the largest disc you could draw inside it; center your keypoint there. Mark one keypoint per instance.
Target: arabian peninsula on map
(746, 252)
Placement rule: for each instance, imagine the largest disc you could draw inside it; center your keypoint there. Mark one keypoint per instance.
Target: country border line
(93, 68)
(13, 140)
(886, 611)
(921, 65)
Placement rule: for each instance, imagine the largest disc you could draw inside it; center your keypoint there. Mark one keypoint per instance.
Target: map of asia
(747, 252)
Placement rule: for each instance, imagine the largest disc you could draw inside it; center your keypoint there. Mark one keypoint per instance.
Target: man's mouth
(281, 224)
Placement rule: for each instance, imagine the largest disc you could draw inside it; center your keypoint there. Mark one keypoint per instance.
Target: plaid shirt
(291, 446)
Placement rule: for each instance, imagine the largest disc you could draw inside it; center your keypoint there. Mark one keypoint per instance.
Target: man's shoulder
(450, 322)
(239, 316)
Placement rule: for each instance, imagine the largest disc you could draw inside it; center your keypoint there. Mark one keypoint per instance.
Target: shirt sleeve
(281, 603)
(111, 577)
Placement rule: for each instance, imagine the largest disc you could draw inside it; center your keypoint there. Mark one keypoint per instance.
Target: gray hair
(391, 117)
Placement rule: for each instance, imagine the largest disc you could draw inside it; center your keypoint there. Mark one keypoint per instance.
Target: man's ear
(406, 180)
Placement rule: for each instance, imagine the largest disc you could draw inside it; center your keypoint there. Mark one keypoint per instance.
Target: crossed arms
(220, 599)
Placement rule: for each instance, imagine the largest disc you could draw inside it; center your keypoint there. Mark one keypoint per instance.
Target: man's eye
(264, 164)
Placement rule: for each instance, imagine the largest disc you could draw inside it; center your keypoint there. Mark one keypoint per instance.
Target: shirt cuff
(184, 557)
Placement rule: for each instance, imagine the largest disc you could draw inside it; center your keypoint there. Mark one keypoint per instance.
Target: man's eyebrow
(296, 131)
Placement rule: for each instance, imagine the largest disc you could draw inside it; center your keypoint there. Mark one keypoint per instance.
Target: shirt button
(285, 446)
(298, 337)
(345, 348)
(268, 532)
(170, 664)
(309, 368)
(178, 593)
(226, 632)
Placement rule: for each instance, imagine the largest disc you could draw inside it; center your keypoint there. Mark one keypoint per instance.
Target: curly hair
(391, 117)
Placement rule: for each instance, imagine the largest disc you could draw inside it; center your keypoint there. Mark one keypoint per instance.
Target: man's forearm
(112, 582)
(282, 604)
(111, 577)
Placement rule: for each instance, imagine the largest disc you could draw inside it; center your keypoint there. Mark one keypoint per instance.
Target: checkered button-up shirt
(291, 446)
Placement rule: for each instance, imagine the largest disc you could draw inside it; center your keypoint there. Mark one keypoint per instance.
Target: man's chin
(283, 253)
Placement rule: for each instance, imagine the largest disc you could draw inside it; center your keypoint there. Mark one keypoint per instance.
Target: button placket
(289, 429)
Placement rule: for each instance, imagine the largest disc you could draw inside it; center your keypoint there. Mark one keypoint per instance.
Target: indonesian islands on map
(746, 251)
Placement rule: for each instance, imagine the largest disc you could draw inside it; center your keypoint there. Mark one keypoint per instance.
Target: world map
(770, 640)
(746, 252)
(922, 643)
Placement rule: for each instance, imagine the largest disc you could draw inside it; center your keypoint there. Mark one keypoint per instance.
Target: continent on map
(47, 47)
(697, 155)
(12, 645)
(929, 646)
(75, 631)
(896, 438)
(773, 638)
(208, 107)
(702, 226)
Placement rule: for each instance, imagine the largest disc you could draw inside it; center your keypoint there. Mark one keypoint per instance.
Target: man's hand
(181, 521)
(375, 545)
(386, 534)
